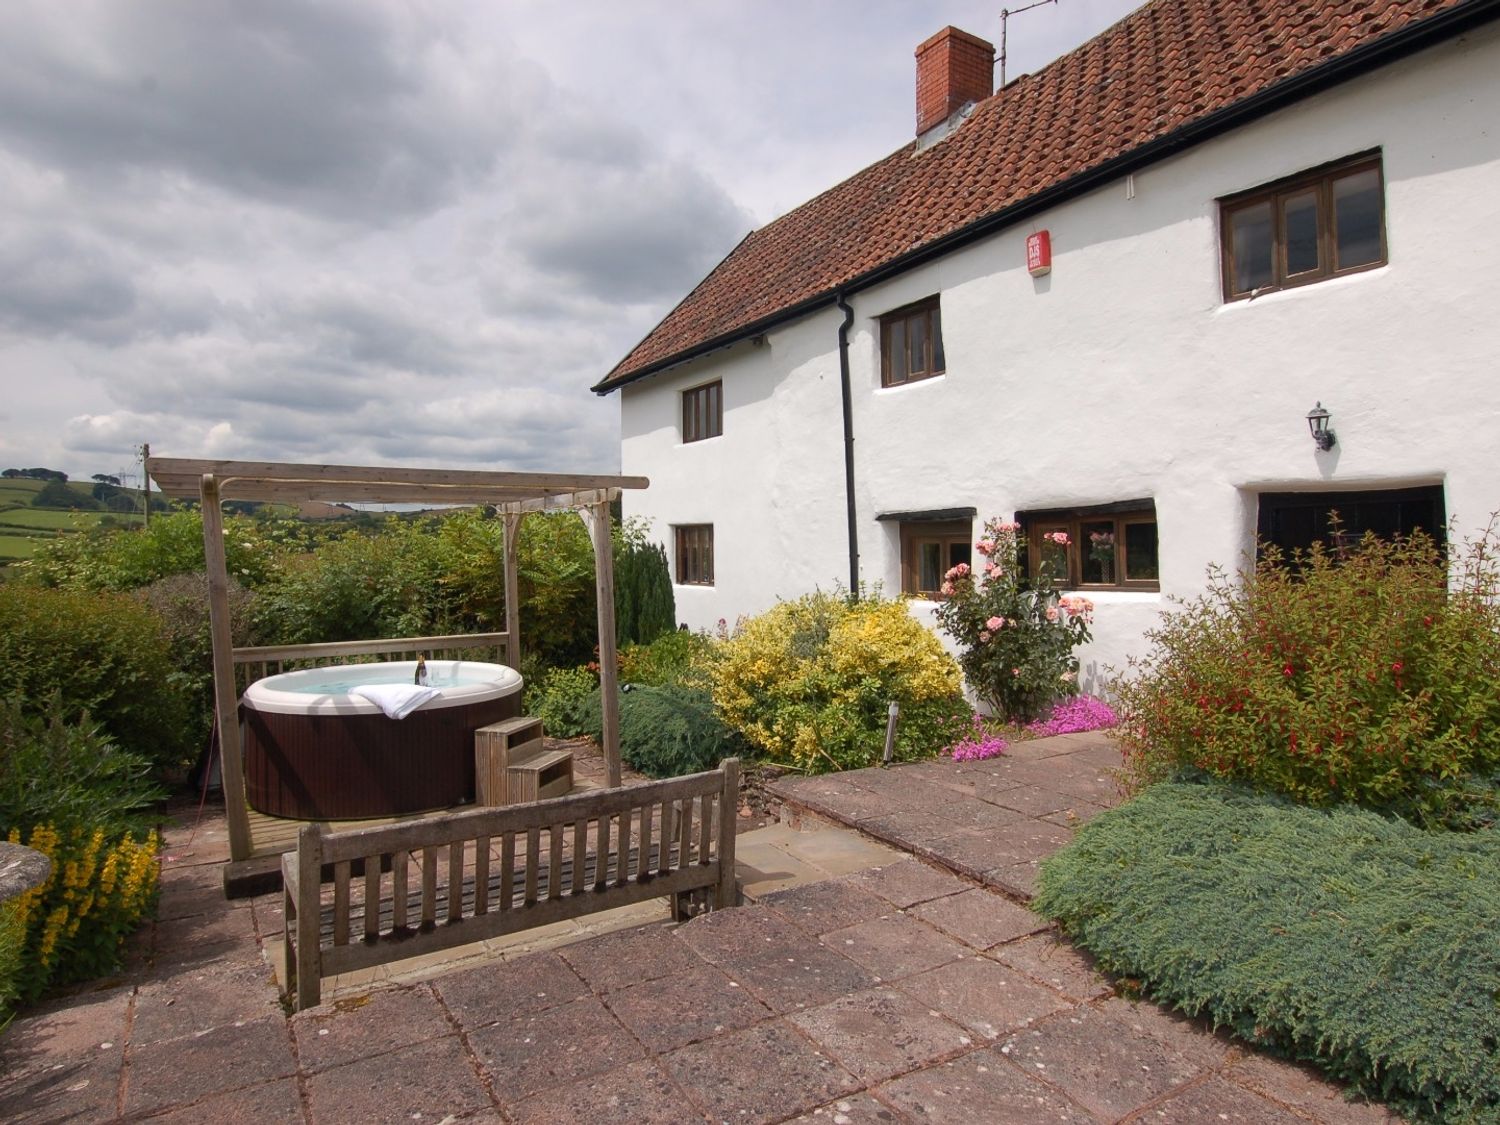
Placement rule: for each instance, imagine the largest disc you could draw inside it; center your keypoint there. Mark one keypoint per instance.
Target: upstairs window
(695, 554)
(1313, 226)
(1110, 546)
(911, 344)
(703, 412)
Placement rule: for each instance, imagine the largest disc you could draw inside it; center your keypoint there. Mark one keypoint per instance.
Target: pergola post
(596, 516)
(226, 704)
(513, 589)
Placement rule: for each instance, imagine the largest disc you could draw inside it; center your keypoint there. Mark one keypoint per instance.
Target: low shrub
(68, 775)
(1369, 675)
(567, 702)
(670, 731)
(1360, 942)
(100, 888)
(1016, 631)
(673, 658)
(103, 654)
(809, 683)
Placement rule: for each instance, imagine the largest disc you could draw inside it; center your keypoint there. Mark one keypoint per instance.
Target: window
(1109, 546)
(1320, 224)
(695, 555)
(703, 412)
(928, 549)
(1293, 521)
(911, 344)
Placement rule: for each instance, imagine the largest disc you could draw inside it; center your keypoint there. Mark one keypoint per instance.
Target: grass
(17, 547)
(51, 519)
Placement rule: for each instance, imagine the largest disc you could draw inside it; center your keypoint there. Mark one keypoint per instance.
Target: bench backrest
(505, 869)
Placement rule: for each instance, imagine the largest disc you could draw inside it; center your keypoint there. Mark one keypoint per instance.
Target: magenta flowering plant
(1070, 716)
(977, 743)
(1016, 631)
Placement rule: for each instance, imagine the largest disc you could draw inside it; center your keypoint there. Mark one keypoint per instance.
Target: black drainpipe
(848, 442)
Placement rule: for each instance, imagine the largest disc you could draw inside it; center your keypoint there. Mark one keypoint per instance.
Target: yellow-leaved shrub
(809, 683)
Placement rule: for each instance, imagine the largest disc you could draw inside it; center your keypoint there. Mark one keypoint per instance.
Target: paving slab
(910, 881)
(348, 1030)
(858, 1109)
(277, 1101)
(433, 1080)
(181, 1071)
(500, 992)
(628, 957)
(801, 975)
(988, 998)
(1099, 1062)
(1053, 961)
(882, 1032)
(980, 918)
(1216, 1100)
(538, 1051)
(760, 1074)
(828, 905)
(894, 946)
(641, 1092)
(689, 1005)
(79, 1089)
(980, 1088)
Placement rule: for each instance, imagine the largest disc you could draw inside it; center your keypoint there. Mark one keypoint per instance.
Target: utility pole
(146, 480)
(1005, 14)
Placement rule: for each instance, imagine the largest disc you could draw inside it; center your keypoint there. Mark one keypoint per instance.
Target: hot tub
(314, 751)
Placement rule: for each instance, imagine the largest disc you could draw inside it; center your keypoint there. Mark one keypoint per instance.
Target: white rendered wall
(1124, 373)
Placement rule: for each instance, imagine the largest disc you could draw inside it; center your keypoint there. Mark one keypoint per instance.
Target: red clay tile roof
(1162, 72)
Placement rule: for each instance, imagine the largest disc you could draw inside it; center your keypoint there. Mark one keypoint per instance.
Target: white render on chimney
(1124, 373)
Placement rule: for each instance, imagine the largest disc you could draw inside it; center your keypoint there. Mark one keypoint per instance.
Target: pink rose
(984, 638)
(958, 571)
(1051, 613)
(946, 589)
(995, 624)
(985, 546)
(993, 570)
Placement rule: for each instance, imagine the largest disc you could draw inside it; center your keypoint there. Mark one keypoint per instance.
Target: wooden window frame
(1072, 521)
(694, 554)
(930, 311)
(916, 533)
(711, 396)
(1321, 180)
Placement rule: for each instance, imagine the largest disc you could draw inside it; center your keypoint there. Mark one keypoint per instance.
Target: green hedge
(1339, 936)
(71, 652)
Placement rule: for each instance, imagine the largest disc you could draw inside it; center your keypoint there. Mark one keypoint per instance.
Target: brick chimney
(954, 68)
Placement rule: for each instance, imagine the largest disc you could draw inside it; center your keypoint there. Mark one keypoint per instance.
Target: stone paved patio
(916, 990)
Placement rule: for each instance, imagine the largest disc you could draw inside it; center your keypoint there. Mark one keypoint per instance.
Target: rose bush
(1017, 632)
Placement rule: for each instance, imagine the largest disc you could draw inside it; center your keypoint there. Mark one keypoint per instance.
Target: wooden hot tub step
(548, 774)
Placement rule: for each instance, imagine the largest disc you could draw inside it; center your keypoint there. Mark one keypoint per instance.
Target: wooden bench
(369, 896)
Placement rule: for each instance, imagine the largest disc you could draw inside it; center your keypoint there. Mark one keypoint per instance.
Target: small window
(911, 344)
(929, 549)
(1317, 225)
(1294, 521)
(703, 412)
(1110, 546)
(695, 555)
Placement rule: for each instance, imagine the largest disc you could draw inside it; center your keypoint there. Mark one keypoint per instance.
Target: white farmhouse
(1250, 210)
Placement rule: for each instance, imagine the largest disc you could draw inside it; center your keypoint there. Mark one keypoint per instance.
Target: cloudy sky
(379, 232)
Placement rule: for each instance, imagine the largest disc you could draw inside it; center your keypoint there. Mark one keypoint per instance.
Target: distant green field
(20, 491)
(13, 547)
(50, 519)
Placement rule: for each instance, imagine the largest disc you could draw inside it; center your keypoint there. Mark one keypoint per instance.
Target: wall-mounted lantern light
(1317, 422)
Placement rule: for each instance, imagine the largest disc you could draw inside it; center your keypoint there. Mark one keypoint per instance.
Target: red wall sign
(1039, 253)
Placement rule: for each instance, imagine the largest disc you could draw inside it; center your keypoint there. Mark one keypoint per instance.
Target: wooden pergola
(512, 494)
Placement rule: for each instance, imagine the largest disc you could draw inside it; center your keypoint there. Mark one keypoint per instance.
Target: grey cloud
(632, 234)
(53, 283)
(345, 108)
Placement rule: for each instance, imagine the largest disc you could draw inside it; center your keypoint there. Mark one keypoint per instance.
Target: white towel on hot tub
(396, 700)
